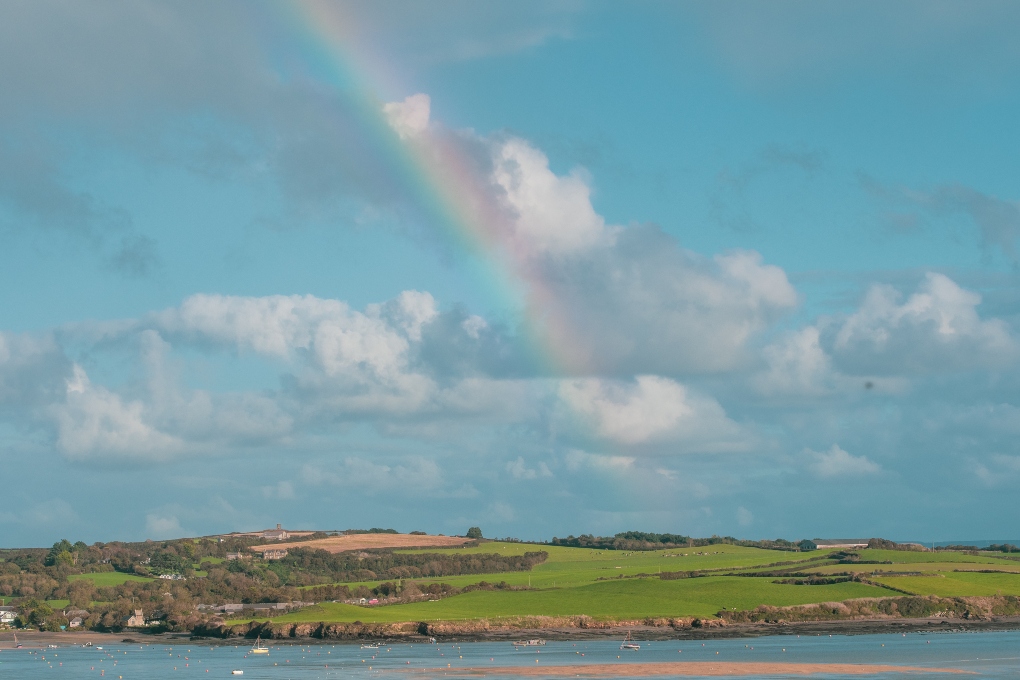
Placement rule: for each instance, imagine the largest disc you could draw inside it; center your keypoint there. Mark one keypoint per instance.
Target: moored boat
(258, 648)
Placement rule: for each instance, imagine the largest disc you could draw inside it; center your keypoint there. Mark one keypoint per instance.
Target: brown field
(699, 668)
(338, 544)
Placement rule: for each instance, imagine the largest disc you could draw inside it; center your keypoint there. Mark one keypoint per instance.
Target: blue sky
(743, 269)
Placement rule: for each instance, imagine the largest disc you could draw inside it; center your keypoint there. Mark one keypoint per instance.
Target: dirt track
(337, 544)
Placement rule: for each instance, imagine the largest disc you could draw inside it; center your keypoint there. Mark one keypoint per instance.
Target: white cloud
(651, 409)
(160, 527)
(797, 364)
(520, 470)
(838, 463)
(936, 328)
(551, 214)
(998, 470)
(622, 299)
(359, 361)
(409, 117)
(95, 420)
(283, 490)
(576, 460)
(744, 517)
(646, 305)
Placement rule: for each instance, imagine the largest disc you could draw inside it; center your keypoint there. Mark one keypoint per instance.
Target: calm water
(992, 655)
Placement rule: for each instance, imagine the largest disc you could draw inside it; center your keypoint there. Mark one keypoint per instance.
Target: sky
(546, 268)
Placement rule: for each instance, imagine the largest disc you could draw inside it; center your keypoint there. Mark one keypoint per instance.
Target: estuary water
(988, 654)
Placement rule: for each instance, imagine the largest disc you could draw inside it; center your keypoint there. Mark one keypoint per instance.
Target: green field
(957, 584)
(610, 584)
(911, 557)
(624, 599)
(923, 567)
(108, 578)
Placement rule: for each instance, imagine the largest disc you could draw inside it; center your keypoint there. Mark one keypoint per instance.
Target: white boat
(535, 642)
(370, 646)
(629, 644)
(259, 648)
(237, 671)
(17, 645)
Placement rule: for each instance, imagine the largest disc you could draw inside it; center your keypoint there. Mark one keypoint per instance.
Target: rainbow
(437, 174)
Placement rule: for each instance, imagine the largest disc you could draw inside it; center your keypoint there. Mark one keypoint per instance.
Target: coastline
(37, 639)
(695, 668)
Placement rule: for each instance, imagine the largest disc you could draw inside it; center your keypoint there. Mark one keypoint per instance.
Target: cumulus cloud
(519, 469)
(934, 329)
(836, 463)
(33, 370)
(95, 420)
(161, 527)
(612, 299)
(551, 214)
(409, 117)
(652, 409)
(797, 364)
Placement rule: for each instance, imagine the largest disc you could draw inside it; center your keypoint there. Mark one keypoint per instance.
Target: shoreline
(695, 668)
(37, 639)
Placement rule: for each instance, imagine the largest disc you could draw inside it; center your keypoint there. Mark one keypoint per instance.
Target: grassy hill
(608, 584)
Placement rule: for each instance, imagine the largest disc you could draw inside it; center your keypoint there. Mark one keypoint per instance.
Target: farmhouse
(274, 553)
(7, 615)
(76, 622)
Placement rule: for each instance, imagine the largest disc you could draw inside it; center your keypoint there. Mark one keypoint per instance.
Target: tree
(474, 532)
(58, 548)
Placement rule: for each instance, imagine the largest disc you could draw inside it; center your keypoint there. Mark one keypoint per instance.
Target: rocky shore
(853, 617)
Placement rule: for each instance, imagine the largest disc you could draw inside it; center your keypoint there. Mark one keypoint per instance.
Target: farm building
(277, 534)
(824, 543)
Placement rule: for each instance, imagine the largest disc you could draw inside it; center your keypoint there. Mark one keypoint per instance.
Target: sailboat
(259, 648)
(17, 645)
(628, 643)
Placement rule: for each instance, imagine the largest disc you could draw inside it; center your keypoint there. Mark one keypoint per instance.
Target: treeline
(883, 544)
(641, 540)
(994, 547)
(303, 564)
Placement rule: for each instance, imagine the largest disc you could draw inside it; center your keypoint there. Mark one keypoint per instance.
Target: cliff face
(914, 607)
(477, 627)
(911, 607)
